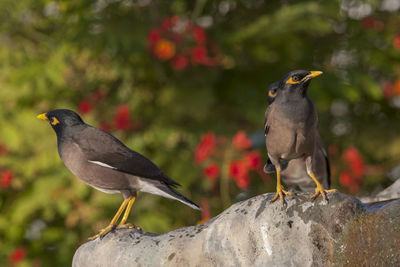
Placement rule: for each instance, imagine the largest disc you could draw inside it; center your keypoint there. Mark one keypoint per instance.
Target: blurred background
(184, 83)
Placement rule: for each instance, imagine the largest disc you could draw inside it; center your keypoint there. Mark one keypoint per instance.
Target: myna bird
(291, 129)
(295, 175)
(105, 163)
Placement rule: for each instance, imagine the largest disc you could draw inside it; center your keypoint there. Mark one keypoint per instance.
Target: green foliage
(54, 54)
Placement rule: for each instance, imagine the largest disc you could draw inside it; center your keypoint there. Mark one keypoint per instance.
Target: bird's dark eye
(296, 78)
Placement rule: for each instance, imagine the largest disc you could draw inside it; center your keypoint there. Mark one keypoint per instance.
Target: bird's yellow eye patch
(290, 80)
(271, 94)
(54, 121)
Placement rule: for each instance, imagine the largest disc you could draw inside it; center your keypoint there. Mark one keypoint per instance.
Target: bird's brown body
(92, 174)
(290, 137)
(105, 163)
(290, 128)
(80, 157)
(295, 175)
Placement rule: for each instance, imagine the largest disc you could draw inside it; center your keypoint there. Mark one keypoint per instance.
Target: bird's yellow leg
(280, 192)
(113, 222)
(123, 223)
(320, 190)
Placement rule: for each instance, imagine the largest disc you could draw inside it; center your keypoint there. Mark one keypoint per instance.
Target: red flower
(368, 22)
(354, 159)
(351, 154)
(396, 42)
(84, 106)
(350, 182)
(357, 168)
(179, 62)
(240, 141)
(199, 35)
(388, 90)
(6, 178)
(153, 37)
(122, 118)
(211, 171)
(17, 255)
(243, 181)
(199, 56)
(238, 170)
(164, 49)
(168, 38)
(253, 159)
(345, 179)
(205, 147)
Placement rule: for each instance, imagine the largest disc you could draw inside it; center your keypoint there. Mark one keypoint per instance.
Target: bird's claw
(319, 190)
(129, 226)
(281, 193)
(103, 232)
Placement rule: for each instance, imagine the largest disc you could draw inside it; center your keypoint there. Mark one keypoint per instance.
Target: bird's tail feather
(178, 196)
(165, 190)
(270, 168)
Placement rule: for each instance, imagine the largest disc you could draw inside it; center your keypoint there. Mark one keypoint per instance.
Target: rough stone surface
(256, 232)
(372, 238)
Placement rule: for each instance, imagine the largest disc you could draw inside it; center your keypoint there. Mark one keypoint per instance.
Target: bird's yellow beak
(313, 74)
(42, 116)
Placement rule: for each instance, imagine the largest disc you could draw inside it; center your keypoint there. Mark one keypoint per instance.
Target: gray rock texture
(256, 232)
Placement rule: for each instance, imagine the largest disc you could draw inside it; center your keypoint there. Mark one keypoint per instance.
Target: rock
(372, 238)
(256, 232)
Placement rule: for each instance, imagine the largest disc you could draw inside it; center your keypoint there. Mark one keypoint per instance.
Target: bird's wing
(266, 128)
(328, 166)
(267, 117)
(105, 150)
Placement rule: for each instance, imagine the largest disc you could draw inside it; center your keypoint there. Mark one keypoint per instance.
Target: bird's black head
(296, 82)
(272, 92)
(62, 120)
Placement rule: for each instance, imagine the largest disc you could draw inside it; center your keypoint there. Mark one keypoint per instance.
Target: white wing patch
(107, 191)
(102, 164)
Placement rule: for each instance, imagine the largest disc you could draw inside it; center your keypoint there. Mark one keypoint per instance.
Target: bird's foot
(281, 193)
(129, 226)
(320, 190)
(103, 232)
